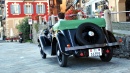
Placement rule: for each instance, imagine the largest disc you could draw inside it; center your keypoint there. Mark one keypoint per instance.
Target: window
(15, 9)
(96, 5)
(28, 9)
(40, 9)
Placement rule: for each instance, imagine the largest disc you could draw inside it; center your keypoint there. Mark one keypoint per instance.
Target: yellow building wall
(113, 8)
(117, 6)
(63, 6)
(122, 16)
(11, 24)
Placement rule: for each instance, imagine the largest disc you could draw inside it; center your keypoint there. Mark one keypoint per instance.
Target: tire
(62, 58)
(20, 41)
(42, 53)
(89, 33)
(76, 56)
(107, 57)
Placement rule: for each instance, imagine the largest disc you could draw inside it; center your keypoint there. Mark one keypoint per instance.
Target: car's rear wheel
(107, 54)
(42, 53)
(76, 56)
(89, 33)
(62, 58)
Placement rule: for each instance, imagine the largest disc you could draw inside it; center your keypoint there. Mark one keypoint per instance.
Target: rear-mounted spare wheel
(89, 33)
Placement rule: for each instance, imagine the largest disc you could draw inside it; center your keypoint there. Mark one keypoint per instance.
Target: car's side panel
(45, 44)
(110, 38)
(70, 35)
(62, 41)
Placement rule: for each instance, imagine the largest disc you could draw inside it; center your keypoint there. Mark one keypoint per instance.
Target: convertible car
(78, 38)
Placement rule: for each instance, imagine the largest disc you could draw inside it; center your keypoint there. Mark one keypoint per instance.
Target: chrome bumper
(91, 46)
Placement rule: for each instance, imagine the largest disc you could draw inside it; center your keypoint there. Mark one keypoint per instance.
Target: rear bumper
(92, 46)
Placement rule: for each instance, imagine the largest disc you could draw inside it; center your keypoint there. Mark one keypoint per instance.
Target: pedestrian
(71, 13)
(61, 17)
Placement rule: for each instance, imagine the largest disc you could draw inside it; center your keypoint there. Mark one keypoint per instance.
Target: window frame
(40, 8)
(28, 9)
(15, 9)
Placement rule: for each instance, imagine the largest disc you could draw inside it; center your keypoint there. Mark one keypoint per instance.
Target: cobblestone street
(25, 58)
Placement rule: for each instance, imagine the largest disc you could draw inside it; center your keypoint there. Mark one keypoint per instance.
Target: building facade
(120, 9)
(2, 18)
(16, 10)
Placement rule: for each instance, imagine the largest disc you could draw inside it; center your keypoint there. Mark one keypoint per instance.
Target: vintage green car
(80, 38)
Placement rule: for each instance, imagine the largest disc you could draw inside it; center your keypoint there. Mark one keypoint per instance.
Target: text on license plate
(95, 52)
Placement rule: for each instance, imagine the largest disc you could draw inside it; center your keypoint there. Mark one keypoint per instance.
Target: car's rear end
(87, 38)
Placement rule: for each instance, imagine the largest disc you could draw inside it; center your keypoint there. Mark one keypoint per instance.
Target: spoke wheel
(62, 58)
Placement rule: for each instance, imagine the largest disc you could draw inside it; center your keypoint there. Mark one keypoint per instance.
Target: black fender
(54, 41)
(44, 42)
(110, 38)
(62, 41)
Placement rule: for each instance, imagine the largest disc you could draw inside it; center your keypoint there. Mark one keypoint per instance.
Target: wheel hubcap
(59, 56)
(58, 53)
(91, 33)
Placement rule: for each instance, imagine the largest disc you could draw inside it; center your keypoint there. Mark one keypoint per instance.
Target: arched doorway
(127, 7)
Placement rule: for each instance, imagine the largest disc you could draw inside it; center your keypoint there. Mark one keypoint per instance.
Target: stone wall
(35, 33)
(124, 49)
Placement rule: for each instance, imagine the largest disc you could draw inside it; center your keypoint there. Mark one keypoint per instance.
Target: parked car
(80, 38)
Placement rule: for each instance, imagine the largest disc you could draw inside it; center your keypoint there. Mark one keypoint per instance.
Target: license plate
(95, 52)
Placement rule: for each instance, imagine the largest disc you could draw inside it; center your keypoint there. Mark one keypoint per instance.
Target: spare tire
(89, 33)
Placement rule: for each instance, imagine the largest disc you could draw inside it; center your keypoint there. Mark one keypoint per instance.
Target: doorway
(127, 5)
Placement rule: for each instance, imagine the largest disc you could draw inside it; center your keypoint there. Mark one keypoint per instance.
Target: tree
(24, 28)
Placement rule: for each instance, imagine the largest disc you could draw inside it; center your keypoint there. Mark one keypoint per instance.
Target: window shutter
(12, 9)
(19, 8)
(32, 9)
(25, 9)
(43, 9)
(37, 10)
